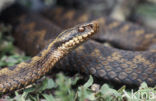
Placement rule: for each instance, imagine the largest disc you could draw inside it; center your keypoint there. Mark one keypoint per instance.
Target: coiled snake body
(108, 63)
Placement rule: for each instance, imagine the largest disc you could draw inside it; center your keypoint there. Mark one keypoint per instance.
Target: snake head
(76, 35)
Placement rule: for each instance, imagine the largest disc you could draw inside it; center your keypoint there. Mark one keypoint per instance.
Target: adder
(122, 65)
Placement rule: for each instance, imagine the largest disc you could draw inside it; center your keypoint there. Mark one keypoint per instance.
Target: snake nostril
(91, 25)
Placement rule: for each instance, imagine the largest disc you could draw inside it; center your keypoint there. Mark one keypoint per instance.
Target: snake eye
(81, 29)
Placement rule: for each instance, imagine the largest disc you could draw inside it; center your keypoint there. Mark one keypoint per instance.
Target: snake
(128, 65)
(25, 73)
(123, 35)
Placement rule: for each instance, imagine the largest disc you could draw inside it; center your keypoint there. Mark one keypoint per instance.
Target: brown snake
(25, 73)
(122, 66)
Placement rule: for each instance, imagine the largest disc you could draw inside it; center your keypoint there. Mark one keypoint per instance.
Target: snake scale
(132, 64)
